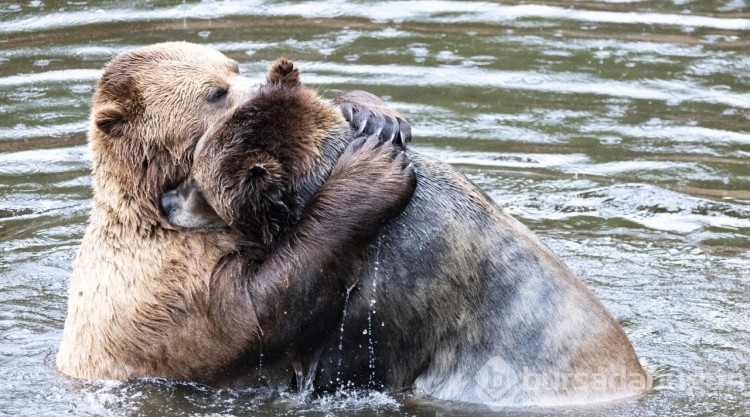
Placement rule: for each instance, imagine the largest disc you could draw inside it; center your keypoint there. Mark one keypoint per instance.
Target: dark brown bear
(454, 299)
(269, 146)
(273, 148)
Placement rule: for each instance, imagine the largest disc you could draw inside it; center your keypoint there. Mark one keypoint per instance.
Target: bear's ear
(257, 172)
(283, 71)
(111, 119)
(262, 172)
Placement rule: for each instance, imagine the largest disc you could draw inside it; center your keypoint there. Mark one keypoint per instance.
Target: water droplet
(341, 333)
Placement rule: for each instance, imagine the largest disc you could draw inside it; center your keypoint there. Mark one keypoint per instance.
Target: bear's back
(468, 283)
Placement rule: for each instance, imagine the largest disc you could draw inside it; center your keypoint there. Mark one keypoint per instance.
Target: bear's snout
(186, 207)
(169, 202)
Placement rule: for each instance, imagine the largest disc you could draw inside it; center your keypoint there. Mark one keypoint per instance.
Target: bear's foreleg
(292, 299)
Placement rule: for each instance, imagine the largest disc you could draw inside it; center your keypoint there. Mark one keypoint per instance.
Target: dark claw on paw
(404, 132)
(388, 133)
(361, 120)
(368, 115)
(348, 111)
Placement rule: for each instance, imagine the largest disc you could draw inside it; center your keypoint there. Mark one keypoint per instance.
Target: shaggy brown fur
(139, 288)
(265, 148)
(146, 299)
(263, 162)
(455, 298)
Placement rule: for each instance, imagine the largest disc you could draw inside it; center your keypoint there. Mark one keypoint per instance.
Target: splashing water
(341, 333)
(371, 311)
(306, 376)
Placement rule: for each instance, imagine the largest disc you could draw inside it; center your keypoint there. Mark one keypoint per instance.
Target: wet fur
(449, 284)
(147, 299)
(456, 281)
(267, 149)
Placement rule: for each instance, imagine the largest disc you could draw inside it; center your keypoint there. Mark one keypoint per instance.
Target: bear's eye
(217, 95)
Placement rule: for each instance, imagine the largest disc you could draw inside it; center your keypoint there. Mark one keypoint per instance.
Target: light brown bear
(455, 299)
(146, 299)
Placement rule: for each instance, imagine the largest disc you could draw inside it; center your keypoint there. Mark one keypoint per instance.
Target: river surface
(619, 131)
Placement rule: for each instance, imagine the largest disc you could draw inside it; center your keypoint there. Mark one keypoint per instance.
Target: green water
(618, 131)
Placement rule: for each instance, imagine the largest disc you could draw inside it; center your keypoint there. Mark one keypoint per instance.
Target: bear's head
(150, 108)
(259, 164)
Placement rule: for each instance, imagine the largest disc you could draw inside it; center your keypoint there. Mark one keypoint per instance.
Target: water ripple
(646, 205)
(423, 11)
(616, 130)
(27, 132)
(670, 91)
(44, 160)
(61, 76)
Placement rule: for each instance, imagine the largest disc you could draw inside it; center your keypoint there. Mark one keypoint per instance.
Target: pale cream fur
(139, 292)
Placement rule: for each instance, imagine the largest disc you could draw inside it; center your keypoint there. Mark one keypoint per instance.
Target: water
(618, 131)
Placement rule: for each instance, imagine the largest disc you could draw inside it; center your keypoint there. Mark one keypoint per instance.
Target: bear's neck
(123, 208)
(129, 196)
(278, 218)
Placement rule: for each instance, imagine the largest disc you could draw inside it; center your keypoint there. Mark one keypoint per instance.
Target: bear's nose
(169, 201)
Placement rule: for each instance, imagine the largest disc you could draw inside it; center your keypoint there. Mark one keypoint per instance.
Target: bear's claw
(369, 115)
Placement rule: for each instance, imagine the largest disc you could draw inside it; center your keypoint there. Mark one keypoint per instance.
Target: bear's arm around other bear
(285, 303)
